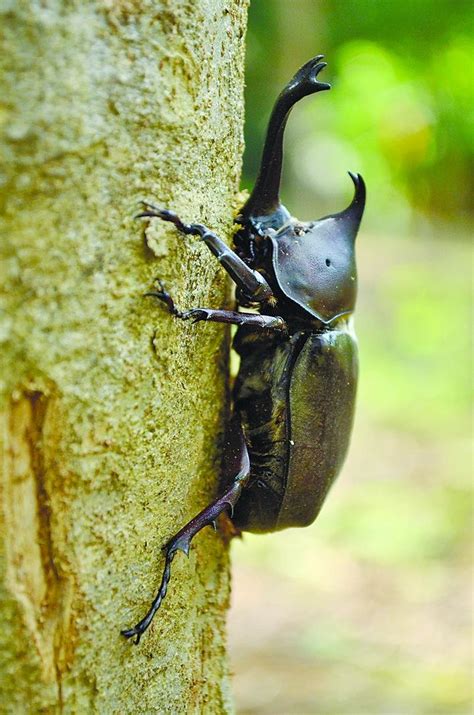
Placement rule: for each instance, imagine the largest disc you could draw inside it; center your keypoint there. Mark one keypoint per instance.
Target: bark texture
(111, 410)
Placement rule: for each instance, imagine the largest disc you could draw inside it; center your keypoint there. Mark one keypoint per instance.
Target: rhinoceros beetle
(293, 399)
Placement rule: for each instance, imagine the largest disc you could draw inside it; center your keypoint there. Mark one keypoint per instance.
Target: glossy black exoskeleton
(293, 399)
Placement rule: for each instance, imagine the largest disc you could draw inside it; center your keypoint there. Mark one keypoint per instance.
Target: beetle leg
(251, 282)
(253, 320)
(236, 458)
(231, 317)
(182, 542)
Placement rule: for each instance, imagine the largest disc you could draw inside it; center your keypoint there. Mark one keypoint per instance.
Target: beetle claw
(195, 314)
(145, 214)
(130, 632)
(153, 294)
(149, 205)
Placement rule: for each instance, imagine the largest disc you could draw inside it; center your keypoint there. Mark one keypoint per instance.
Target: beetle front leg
(251, 282)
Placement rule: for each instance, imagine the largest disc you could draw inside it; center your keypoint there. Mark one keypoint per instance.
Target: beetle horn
(352, 215)
(264, 199)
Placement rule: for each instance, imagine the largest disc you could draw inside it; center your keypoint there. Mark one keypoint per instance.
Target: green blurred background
(368, 611)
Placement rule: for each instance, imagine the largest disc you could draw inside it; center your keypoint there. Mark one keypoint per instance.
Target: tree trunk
(112, 410)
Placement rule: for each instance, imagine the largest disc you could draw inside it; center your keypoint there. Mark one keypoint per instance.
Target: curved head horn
(264, 199)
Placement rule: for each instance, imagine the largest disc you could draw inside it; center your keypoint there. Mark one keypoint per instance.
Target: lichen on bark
(111, 410)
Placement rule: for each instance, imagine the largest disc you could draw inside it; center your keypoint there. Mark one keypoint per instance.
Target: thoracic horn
(352, 215)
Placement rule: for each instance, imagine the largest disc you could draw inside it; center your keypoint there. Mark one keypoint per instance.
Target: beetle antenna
(264, 199)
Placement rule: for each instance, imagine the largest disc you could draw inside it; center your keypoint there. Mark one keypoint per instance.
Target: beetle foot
(162, 294)
(139, 629)
(152, 211)
(194, 229)
(196, 314)
(182, 542)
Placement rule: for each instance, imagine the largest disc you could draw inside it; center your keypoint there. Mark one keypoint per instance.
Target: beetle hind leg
(182, 542)
(237, 466)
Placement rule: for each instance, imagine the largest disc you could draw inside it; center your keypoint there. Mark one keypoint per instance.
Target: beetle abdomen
(296, 402)
(261, 399)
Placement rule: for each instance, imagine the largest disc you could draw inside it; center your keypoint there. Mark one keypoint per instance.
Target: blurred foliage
(368, 611)
(401, 110)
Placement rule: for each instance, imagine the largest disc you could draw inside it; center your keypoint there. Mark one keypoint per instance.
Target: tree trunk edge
(111, 410)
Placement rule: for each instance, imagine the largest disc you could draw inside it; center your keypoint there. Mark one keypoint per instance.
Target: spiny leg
(251, 320)
(232, 317)
(251, 282)
(236, 458)
(182, 542)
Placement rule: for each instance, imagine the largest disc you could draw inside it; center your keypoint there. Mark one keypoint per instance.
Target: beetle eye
(328, 262)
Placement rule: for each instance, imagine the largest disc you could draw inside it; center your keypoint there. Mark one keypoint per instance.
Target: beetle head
(314, 263)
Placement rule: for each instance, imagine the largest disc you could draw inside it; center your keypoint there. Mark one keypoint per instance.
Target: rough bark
(112, 409)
